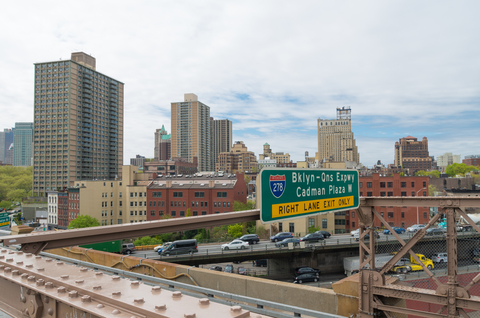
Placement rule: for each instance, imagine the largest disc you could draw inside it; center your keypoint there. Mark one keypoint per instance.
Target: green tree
(235, 230)
(313, 229)
(431, 174)
(147, 240)
(15, 183)
(240, 206)
(431, 190)
(189, 213)
(459, 169)
(83, 221)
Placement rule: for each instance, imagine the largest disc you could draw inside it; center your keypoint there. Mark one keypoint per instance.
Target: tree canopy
(459, 169)
(432, 174)
(83, 221)
(15, 183)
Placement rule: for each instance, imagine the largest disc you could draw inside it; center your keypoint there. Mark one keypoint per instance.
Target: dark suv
(250, 238)
(312, 237)
(305, 269)
(324, 233)
(280, 236)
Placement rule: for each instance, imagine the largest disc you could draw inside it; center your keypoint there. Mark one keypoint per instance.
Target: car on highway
(250, 238)
(228, 268)
(366, 237)
(160, 248)
(415, 228)
(285, 242)
(325, 234)
(235, 245)
(280, 236)
(309, 277)
(352, 233)
(398, 230)
(435, 232)
(242, 271)
(215, 268)
(312, 237)
(304, 270)
(439, 257)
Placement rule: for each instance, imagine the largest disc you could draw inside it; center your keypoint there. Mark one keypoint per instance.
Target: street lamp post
(418, 221)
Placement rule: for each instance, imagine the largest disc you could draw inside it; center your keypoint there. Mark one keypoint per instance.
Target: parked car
(242, 271)
(160, 248)
(435, 231)
(325, 234)
(250, 238)
(260, 262)
(398, 230)
(352, 233)
(415, 228)
(281, 236)
(228, 268)
(439, 257)
(366, 237)
(215, 268)
(285, 242)
(309, 277)
(235, 245)
(304, 270)
(312, 237)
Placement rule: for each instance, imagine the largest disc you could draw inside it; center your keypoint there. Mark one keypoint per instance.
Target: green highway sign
(284, 193)
(4, 219)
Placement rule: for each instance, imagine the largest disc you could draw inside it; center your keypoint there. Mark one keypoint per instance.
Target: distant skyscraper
(163, 145)
(138, 161)
(191, 131)
(23, 144)
(221, 137)
(335, 138)
(412, 154)
(78, 124)
(6, 140)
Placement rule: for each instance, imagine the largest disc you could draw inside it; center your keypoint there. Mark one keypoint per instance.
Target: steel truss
(372, 282)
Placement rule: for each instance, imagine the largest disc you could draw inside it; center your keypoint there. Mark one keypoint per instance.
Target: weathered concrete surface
(314, 298)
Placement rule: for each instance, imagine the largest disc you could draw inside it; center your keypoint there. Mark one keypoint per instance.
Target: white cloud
(401, 66)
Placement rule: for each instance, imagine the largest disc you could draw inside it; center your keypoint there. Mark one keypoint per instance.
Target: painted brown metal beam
(36, 242)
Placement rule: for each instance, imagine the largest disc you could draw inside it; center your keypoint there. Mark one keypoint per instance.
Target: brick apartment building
(473, 160)
(393, 186)
(202, 194)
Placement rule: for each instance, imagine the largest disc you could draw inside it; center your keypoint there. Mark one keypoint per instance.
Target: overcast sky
(271, 67)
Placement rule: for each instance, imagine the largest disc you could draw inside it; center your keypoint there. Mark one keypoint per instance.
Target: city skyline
(404, 68)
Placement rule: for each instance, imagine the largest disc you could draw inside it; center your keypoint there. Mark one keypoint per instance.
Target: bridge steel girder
(49, 240)
(451, 296)
(39, 287)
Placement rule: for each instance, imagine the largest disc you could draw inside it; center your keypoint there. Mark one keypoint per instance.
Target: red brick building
(394, 186)
(472, 160)
(73, 206)
(203, 194)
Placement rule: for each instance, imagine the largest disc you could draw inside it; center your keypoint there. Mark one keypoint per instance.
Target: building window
(413, 193)
(390, 215)
(204, 212)
(324, 224)
(424, 193)
(382, 184)
(390, 194)
(413, 184)
(361, 184)
(291, 227)
(404, 194)
(403, 215)
(369, 194)
(353, 224)
(389, 184)
(424, 184)
(382, 194)
(424, 215)
(280, 227)
(311, 222)
(353, 214)
(173, 213)
(182, 213)
(195, 213)
(381, 213)
(403, 184)
(369, 184)
(152, 213)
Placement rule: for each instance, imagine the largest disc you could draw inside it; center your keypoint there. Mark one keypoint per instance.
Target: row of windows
(156, 194)
(390, 194)
(403, 184)
(138, 213)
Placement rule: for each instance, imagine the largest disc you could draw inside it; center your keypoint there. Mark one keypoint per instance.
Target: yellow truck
(410, 265)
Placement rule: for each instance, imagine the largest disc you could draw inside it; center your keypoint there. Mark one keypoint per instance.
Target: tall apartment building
(280, 157)
(412, 154)
(23, 145)
(163, 145)
(6, 140)
(191, 131)
(239, 159)
(221, 137)
(335, 138)
(78, 124)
